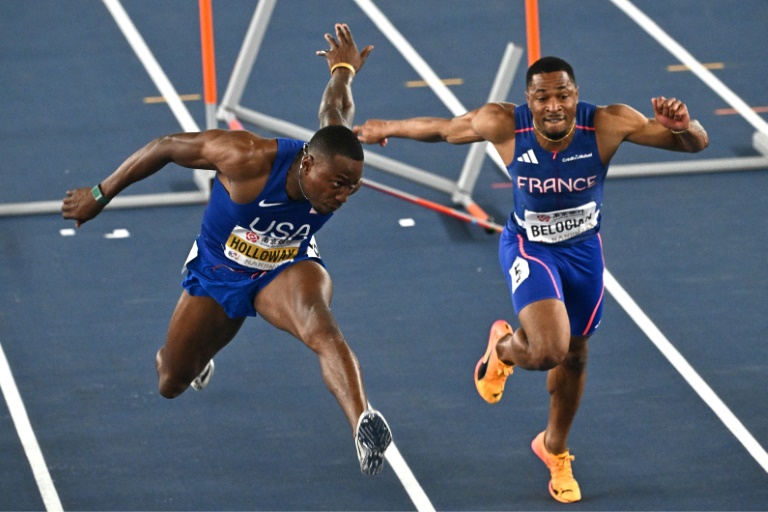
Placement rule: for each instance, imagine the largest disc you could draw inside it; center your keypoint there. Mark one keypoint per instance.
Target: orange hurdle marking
(532, 30)
(209, 60)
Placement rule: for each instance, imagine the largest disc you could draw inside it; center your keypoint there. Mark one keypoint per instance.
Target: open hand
(344, 49)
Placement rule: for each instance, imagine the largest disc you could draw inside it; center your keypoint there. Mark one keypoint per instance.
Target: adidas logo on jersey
(528, 157)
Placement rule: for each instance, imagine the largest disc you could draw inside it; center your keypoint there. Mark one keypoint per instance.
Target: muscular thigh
(298, 299)
(199, 328)
(573, 275)
(530, 270)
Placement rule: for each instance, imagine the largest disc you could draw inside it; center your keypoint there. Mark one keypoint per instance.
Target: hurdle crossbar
(488, 225)
(460, 190)
(118, 203)
(760, 137)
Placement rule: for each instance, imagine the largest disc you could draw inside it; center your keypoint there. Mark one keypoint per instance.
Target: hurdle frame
(461, 189)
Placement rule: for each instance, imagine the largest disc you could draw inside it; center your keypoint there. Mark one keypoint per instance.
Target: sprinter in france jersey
(557, 151)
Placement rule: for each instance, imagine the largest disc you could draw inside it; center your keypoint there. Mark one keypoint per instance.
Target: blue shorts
(233, 289)
(572, 274)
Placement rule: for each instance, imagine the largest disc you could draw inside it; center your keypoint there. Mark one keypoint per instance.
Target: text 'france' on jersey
(558, 195)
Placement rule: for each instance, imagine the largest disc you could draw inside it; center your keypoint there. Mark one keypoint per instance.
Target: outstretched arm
(344, 61)
(491, 122)
(425, 129)
(671, 128)
(234, 153)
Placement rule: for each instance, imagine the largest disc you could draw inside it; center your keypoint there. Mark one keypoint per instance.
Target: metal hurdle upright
(460, 190)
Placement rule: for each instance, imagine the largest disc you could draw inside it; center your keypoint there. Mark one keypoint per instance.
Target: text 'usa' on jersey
(271, 230)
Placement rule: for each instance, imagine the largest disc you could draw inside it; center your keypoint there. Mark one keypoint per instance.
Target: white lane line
(686, 370)
(408, 480)
(27, 437)
(154, 70)
(694, 65)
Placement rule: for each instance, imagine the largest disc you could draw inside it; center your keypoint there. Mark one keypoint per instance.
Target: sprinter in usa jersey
(256, 254)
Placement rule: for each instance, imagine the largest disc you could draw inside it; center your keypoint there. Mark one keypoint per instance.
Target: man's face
(329, 181)
(552, 98)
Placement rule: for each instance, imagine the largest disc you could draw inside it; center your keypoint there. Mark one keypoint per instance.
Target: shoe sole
(374, 434)
(492, 342)
(538, 451)
(202, 380)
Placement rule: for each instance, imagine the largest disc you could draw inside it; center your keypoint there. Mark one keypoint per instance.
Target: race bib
(553, 227)
(519, 272)
(258, 251)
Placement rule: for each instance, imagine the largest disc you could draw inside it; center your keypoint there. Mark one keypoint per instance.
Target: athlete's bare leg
(543, 342)
(543, 339)
(298, 301)
(199, 328)
(565, 383)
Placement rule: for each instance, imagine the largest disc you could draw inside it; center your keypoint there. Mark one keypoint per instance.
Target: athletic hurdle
(759, 138)
(460, 190)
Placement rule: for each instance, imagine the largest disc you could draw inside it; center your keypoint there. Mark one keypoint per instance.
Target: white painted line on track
(407, 479)
(409, 482)
(694, 65)
(686, 370)
(154, 70)
(27, 437)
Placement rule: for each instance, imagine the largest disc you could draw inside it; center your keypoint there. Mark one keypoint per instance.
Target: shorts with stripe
(233, 289)
(570, 273)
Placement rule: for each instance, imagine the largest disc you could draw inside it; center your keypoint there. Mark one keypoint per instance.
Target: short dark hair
(337, 139)
(549, 65)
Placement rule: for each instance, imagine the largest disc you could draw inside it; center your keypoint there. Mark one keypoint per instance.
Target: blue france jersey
(263, 234)
(557, 195)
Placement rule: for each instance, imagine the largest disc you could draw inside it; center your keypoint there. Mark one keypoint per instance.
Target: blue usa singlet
(266, 233)
(557, 195)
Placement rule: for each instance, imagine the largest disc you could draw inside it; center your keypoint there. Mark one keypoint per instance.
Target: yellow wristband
(343, 65)
(680, 132)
